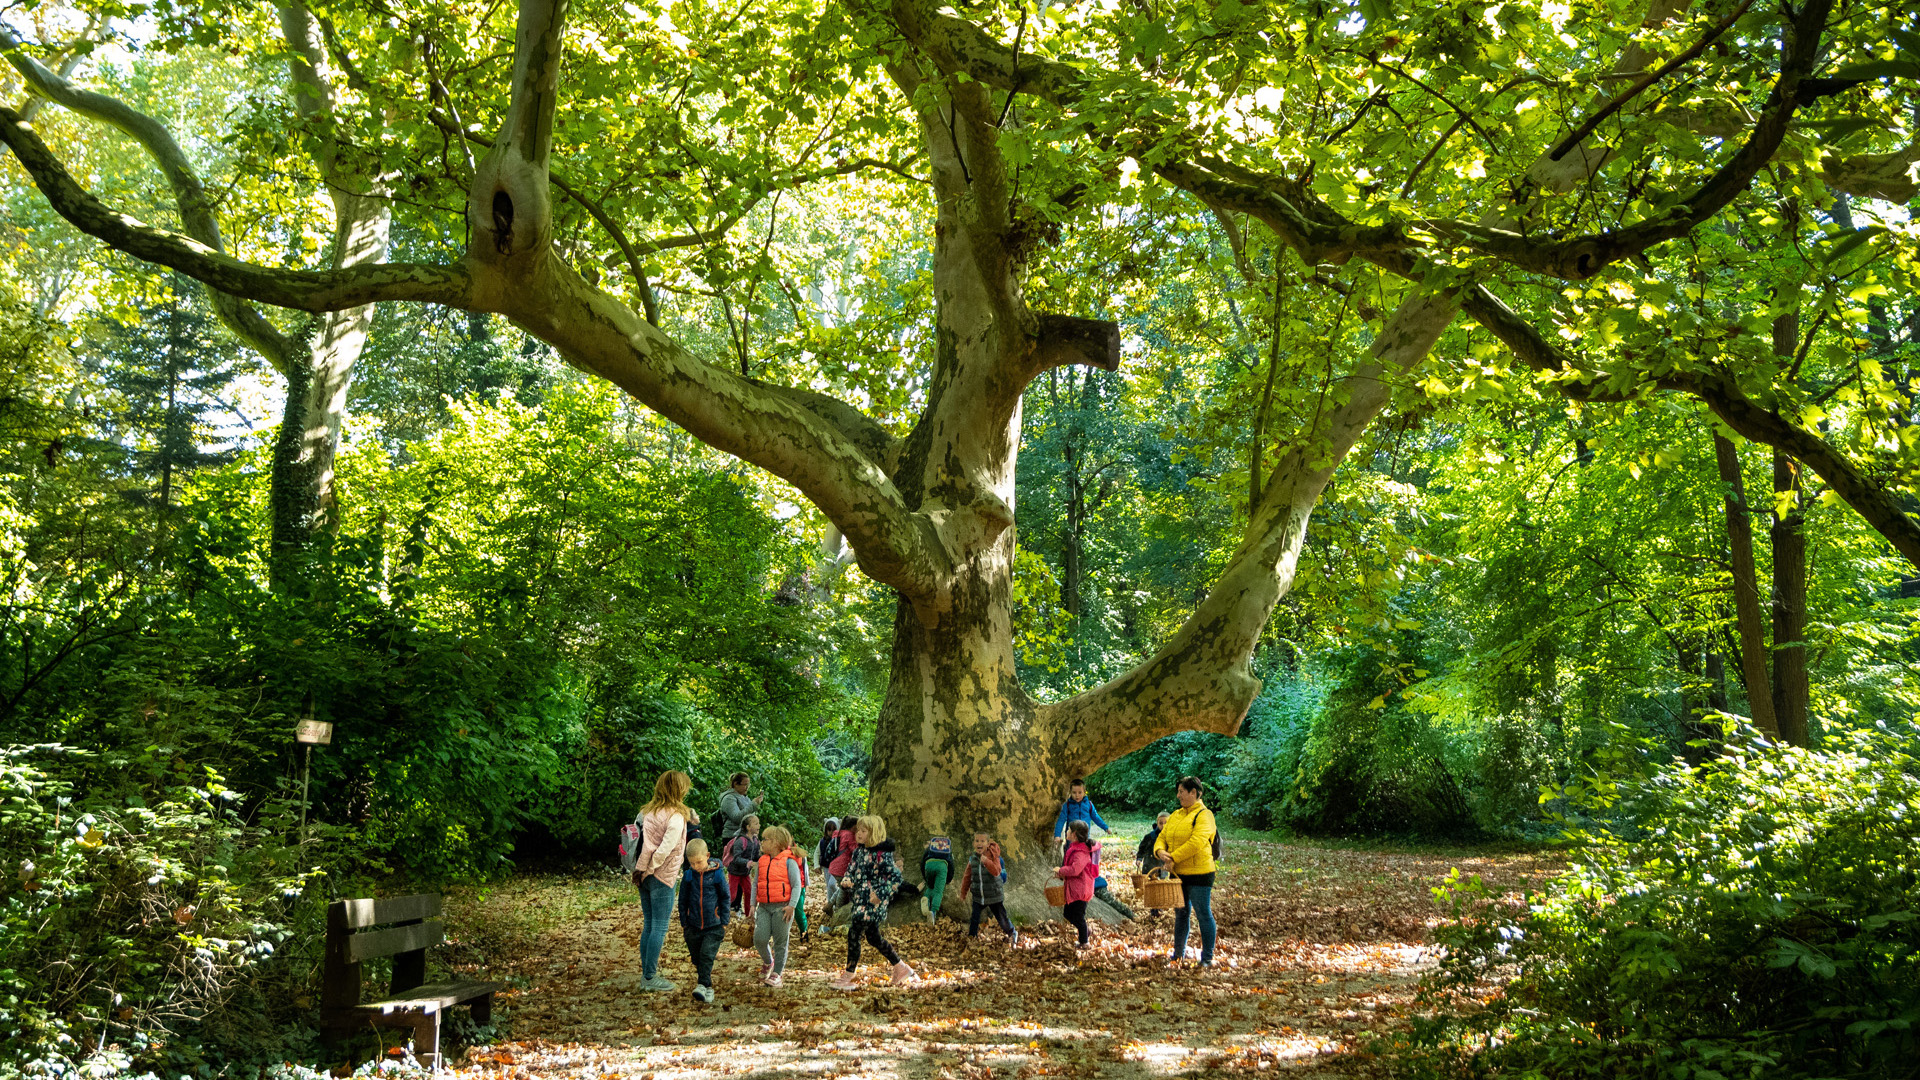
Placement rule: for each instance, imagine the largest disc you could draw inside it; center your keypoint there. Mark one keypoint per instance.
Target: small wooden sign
(313, 732)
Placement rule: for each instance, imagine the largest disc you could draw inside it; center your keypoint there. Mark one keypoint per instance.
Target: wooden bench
(403, 927)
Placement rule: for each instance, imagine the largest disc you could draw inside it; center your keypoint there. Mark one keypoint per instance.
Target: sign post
(309, 733)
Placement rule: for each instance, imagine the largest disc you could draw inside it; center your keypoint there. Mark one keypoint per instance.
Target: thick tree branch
(1066, 340)
(190, 196)
(1634, 89)
(1199, 680)
(1717, 388)
(1582, 257)
(1874, 176)
(509, 207)
(863, 431)
(303, 290)
(833, 454)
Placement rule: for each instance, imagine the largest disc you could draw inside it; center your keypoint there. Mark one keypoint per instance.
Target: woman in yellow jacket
(1186, 847)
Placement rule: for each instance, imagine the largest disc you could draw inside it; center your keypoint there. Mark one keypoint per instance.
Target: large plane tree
(1621, 200)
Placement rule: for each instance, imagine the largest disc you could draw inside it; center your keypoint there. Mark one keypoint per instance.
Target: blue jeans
(656, 909)
(1199, 900)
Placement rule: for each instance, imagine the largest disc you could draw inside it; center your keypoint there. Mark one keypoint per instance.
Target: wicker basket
(743, 933)
(1161, 894)
(1056, 896)
(1139, 882)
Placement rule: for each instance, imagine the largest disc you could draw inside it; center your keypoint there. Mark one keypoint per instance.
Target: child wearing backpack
(873, 874)
(936, 867)
(776, 886)
(844, 847)
(829, 847)
(703, 914)
(1077, 808)
(985, 879)
(1077, 874)
(739, 857)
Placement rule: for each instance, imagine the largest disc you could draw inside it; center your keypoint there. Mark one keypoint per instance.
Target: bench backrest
(402, 927)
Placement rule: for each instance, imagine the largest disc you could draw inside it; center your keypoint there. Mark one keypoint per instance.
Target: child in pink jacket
(1078, 874)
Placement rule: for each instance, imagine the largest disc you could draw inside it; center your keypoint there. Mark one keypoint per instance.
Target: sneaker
(926, 909)
(658, 983)
(903, 974)
(766, 969)
(845, 981)
(703, 993)
(774, 979)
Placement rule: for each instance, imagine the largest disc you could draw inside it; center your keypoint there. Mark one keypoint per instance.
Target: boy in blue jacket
(1078, 808)
(703, 914)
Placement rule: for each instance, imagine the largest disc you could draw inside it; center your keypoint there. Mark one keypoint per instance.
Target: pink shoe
(903, 974)
(774, 979)
(845, 981)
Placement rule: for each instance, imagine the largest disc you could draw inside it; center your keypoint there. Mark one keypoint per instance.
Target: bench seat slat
(433, 997)
(372, 944)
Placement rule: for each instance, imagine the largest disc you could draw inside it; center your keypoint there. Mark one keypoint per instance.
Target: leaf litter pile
(1320, 952)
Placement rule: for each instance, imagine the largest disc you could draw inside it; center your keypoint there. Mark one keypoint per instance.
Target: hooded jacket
(873, 876)
(703, 899)
(1079, 871)
(983, 874)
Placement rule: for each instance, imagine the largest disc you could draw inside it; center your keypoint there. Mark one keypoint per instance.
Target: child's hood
(885, 846)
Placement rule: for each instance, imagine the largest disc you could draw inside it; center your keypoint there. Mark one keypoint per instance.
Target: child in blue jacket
(703, 914)
(1078, 808)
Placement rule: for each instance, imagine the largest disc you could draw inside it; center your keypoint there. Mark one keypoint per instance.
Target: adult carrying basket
(1162, 893)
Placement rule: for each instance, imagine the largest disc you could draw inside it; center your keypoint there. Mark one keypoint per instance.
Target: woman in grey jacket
(736, 806)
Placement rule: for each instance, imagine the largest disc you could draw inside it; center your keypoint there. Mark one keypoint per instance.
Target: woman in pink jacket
(1078, 875)
(663, 833)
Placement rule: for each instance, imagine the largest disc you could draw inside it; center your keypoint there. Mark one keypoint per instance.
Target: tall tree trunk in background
(1746, 590)
(319, 369)
(1790, 690)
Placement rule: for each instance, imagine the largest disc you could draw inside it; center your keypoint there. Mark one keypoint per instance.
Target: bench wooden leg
(483, 1009)
(426, 1040)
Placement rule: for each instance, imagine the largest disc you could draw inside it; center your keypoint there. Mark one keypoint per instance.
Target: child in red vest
(776, 887)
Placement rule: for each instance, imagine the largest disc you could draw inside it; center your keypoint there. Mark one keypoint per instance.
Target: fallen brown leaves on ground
(1320, 951)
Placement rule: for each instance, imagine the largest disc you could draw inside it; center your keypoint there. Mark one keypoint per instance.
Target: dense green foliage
(530, 595)
(1759, 916)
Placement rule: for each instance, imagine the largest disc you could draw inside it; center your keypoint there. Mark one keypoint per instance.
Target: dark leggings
(871, 930)
(1077, 915)
(999, 916)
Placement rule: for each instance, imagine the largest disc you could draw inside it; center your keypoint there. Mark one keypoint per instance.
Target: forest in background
(530, 593)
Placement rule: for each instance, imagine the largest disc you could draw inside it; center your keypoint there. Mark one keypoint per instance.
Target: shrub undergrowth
(1757, 916)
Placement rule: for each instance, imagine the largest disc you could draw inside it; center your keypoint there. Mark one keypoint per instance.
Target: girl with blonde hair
(872, 878)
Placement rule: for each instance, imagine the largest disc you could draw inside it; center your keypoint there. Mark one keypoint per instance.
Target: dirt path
(1320, 951)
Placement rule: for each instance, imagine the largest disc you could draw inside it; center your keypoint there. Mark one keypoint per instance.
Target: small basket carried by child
(742, 933)
(1158, 891)
(1056, 894)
